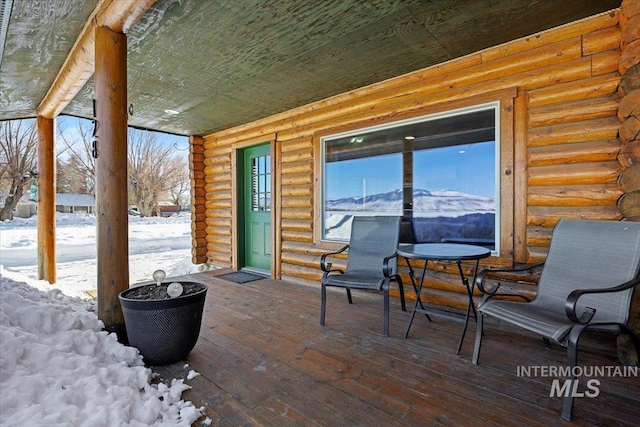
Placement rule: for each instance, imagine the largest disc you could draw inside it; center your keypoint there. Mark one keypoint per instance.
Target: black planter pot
(163, 330)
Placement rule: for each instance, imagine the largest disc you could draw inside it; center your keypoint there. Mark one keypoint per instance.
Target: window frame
(503, 101)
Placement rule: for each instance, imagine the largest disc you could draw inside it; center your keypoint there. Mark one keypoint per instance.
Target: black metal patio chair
(586, 283)
(371, 262)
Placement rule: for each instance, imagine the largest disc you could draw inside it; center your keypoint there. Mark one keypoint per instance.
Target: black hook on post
(96, 125)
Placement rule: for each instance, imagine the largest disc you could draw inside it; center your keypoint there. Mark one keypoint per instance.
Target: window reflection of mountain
(437, 215)
(427, 201)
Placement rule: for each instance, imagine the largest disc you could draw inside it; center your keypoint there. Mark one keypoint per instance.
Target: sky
(68, 126)
(467, 169)
(57, 366)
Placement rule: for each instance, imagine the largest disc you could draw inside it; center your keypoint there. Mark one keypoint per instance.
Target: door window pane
(261, 183)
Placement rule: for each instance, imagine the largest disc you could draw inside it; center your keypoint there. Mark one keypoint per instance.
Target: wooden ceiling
(222, 63)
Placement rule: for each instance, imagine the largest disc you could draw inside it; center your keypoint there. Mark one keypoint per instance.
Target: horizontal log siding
(198, 214)
(565, 133)
(573, 145)
(217, 178)
(299, 256)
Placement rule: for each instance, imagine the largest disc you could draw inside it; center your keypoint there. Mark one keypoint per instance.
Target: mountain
(425, 203)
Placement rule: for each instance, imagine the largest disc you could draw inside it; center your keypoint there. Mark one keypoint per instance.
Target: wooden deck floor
(263, 359)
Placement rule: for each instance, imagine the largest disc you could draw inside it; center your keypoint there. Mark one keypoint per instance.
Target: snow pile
(58, 367)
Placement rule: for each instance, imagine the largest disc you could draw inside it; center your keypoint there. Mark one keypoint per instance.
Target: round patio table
(444, 252)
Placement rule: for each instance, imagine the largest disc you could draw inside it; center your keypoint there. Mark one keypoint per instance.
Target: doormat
(240, 277)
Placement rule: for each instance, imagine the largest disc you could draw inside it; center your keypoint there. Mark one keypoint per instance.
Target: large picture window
(439, 171)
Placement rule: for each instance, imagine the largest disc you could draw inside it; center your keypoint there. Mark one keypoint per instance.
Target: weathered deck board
(263, 359)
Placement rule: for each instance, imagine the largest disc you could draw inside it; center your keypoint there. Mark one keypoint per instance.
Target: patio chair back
(372, 262)
(589, 255)
(372, 239)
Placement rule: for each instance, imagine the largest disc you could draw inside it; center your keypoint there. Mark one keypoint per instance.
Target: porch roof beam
(118, 15)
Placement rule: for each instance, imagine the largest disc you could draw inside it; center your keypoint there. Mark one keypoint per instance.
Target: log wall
(565, 143)
(629, 117)
(629, 111)
(198, 192)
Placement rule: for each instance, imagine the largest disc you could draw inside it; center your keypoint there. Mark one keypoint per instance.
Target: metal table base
(444, 252)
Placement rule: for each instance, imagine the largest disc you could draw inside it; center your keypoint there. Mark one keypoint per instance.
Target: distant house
(65, 203)
(168, 208)
(25, 208)
(75, 203)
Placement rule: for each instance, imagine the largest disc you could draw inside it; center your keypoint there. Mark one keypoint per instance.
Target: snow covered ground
(57, 366)
(154, 243)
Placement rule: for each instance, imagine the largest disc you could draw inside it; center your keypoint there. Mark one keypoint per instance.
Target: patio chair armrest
(326, 266)
(386, 269)
(587, 315)
(482, 277)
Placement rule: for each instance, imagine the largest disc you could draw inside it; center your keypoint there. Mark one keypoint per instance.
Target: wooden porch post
(46, 200)
(111, 175)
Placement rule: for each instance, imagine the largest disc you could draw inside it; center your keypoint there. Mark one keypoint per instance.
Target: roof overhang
(219, 64)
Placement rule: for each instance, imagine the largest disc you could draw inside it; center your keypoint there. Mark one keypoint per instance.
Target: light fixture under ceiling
(172, 112)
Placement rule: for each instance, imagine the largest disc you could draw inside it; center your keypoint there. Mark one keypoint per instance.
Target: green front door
(257, 207)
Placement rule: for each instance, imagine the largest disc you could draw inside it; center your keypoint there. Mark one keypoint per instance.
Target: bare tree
(72, 177)
(153, 171)
(18, 150)
(77, 174)
(179, 182)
